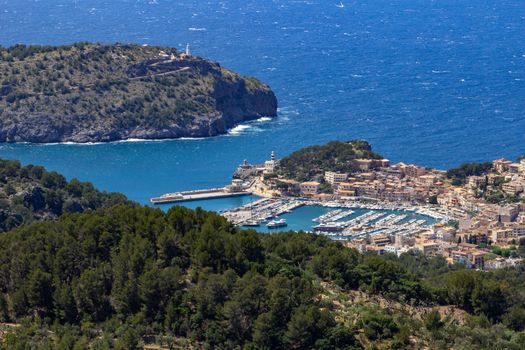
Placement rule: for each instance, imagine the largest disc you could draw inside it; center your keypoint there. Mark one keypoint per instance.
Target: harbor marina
(339, 220)
(344, 218)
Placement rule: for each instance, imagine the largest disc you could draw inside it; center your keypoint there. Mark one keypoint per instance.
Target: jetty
(195, 195)
(237, 188)
(264, 209)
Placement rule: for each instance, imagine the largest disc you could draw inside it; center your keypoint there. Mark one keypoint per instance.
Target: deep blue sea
(432, 82)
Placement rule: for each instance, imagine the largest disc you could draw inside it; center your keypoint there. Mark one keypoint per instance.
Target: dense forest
(309, 162)
(122, 277)
(30, 193)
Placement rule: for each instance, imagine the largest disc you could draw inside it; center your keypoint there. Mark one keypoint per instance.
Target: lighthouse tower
(187, 52)
(269, 165)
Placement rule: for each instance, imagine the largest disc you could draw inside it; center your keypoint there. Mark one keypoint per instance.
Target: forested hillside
(122, 277)
(312, 161)
(459, 174)
(30, 193)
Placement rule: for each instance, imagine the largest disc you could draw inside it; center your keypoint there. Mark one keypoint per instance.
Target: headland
(108, 92)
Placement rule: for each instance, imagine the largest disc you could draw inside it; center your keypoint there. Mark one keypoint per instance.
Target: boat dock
(264, 209)
(194, 195)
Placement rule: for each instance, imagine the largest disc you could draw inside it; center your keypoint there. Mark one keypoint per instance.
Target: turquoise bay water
(431, 82)
(218, 204)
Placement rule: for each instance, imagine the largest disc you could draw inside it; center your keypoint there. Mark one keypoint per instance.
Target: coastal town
(476, 220)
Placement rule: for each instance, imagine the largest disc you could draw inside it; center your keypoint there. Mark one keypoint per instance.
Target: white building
(236, 186)
(309, 188)
(269, 165)
(332, 177)
(393, 249)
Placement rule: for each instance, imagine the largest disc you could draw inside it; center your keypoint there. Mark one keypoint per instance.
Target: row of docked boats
(333, 215)
(432, 211)
(340, 226)
(272, 224)
(327, 216)
(263, 212)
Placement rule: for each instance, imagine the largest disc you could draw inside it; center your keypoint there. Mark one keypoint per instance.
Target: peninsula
(107, 92)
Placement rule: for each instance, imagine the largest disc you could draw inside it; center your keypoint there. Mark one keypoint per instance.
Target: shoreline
(231, 132)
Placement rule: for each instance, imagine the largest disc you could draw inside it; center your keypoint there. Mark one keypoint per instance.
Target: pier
(185, 196)
(264, 209)
(235, 189)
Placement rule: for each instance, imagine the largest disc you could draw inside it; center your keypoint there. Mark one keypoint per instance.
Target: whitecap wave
(139, 140)
(193, 29)
(287, 111)
(250, 126)
(239, 129)
(130, 140)
(191, 138)
(160, 140)
(66, 143)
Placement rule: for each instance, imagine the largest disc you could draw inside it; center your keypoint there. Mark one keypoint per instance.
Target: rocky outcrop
(154, 98)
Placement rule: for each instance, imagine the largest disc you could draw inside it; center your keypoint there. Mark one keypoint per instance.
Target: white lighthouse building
(269, 165)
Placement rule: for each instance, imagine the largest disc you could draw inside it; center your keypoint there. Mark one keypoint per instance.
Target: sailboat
(252, 222)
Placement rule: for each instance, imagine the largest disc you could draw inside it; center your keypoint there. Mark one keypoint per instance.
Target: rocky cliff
(100, 93)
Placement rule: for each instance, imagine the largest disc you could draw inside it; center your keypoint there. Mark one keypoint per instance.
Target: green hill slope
(312, 161)
(31, 193)
(124, 277)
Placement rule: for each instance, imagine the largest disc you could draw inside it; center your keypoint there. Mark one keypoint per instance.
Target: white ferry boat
(277, 223)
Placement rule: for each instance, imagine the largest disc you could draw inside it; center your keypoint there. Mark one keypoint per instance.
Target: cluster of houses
(480, 224)
(440, 240)
(400, 182)
(377, 180)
